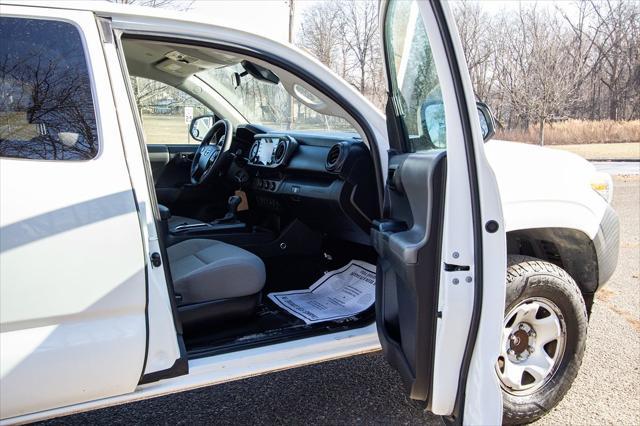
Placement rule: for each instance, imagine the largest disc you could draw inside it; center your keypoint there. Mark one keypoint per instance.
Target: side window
(46, 107)
(166, 111)
(414, 80)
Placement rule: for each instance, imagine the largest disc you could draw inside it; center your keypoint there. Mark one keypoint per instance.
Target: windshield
(270, 104)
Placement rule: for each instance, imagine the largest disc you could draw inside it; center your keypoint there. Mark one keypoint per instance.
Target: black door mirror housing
(487, 121)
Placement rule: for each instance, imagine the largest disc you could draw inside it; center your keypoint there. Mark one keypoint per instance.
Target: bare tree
(477, 42)
(359, 31)
(541, 64)
(345, 36)
(320, 32)
(618, 52)
(534, 71)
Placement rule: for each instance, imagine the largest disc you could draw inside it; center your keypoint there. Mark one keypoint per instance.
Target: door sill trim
(234, 366)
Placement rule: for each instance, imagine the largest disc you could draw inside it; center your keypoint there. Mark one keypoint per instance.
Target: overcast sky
(270, 18)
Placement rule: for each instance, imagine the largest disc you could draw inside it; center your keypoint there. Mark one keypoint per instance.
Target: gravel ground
(628, 168)
(606, 389)
(365, 390)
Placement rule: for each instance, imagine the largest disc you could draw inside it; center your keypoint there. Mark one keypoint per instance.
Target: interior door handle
(389, 226)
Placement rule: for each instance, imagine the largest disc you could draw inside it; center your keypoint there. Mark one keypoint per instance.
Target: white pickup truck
(131, 269)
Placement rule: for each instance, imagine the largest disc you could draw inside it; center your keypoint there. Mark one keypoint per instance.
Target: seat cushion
(206, 270)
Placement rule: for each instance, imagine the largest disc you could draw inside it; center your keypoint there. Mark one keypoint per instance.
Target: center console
(228, 229)
(227, 223)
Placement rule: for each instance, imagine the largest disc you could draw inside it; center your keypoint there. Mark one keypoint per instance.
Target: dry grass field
(571, 132)
(604, 151)
(166, 129)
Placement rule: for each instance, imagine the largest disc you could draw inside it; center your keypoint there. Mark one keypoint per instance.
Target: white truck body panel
(58, 219)
(545, 188)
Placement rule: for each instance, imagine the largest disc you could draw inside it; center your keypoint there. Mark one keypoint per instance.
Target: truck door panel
(72, 264)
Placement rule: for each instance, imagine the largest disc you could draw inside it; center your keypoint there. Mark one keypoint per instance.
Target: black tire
(530, 277)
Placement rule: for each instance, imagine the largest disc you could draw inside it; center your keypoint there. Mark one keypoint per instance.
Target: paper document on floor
(337, 294)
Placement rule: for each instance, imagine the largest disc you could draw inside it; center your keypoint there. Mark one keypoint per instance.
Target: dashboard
(324, 180)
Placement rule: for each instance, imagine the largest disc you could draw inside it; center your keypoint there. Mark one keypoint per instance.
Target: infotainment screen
(266, 148)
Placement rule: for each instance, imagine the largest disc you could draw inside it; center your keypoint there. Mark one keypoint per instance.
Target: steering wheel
(206, 161)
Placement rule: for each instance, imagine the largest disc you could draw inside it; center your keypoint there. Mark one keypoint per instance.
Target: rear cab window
(46, 104)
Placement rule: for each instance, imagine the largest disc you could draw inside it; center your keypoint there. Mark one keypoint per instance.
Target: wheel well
(570, 249)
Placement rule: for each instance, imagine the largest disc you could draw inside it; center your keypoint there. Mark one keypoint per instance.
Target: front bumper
(607, 245)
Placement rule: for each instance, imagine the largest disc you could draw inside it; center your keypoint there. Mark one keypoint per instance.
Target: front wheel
(543, 339)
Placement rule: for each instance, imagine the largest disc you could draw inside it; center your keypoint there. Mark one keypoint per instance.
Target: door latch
(449, 267)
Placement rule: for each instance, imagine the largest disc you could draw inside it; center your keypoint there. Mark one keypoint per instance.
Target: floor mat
(338, 294)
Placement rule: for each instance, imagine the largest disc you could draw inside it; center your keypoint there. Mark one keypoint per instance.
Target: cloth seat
(208, 270)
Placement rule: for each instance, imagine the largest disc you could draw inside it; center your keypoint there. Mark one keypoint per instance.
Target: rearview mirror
(260, 73)
(236, 80)
(487, 122)
(200, 126)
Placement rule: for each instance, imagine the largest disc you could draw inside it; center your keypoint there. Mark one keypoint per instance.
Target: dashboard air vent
(334, 157)
(280, 151)
(253, 154)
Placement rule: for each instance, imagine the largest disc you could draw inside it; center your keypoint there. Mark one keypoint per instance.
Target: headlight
(603, 184)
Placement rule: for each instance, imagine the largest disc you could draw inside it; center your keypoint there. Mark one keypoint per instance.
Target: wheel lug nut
(511, 352)
(532, 334)
(531, 349)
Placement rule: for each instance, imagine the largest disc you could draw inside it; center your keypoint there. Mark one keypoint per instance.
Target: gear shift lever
(233, 203)
(232, 214)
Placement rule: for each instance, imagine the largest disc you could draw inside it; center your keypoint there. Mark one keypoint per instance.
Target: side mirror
(200, 126)
(433, 124)
(487, 122)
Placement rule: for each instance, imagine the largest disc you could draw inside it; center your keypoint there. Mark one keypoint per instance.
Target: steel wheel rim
(532, 346)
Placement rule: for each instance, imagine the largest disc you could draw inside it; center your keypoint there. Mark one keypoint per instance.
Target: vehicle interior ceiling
(304, 212)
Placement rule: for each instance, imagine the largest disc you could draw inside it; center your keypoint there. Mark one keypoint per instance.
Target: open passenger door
(441, 242)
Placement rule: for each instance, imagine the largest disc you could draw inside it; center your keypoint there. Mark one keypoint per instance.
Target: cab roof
(108, 9)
